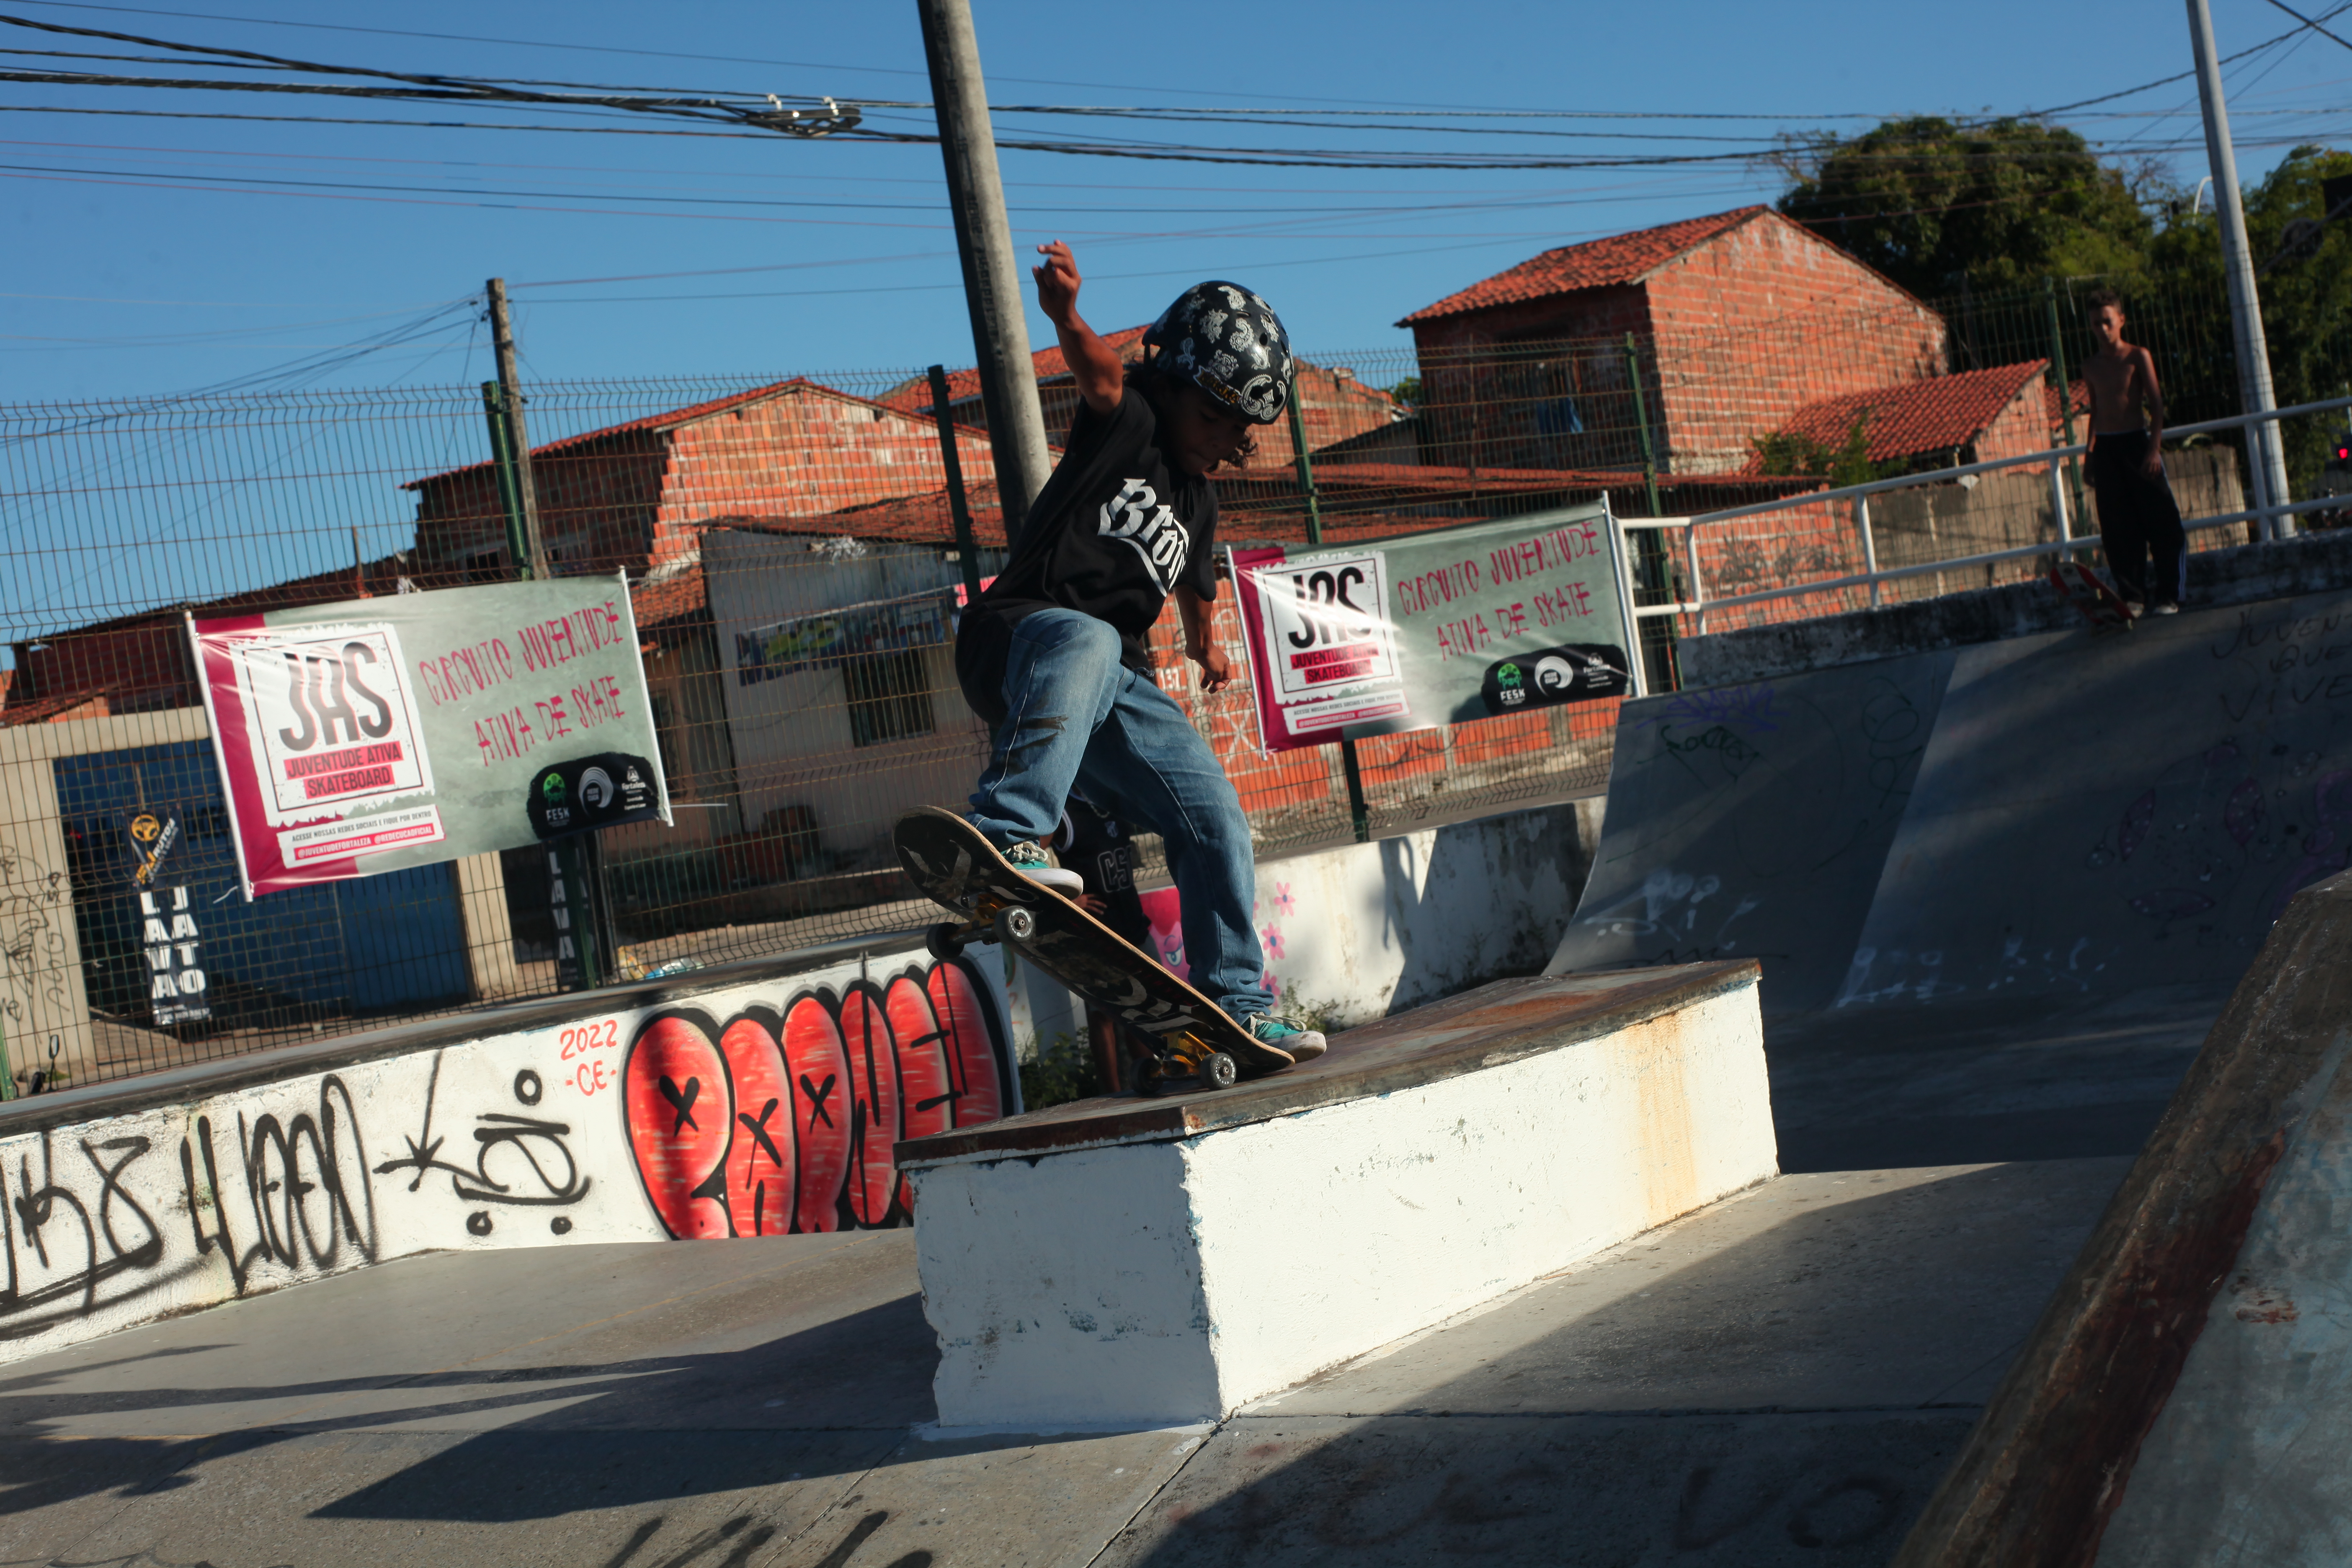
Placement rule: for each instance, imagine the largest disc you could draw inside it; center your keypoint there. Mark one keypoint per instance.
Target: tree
(1848, 463)
(2306, 286)
(1996, 206)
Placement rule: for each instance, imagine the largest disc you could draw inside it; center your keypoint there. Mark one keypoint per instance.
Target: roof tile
(1595, 264)
(1913, 416)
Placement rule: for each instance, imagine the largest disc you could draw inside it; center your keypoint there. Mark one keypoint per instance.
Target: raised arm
(1094, 364)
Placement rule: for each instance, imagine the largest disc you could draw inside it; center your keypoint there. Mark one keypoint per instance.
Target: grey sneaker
(2134, 608)
(1033, 861)
(1304, 1045)
(2164, 610)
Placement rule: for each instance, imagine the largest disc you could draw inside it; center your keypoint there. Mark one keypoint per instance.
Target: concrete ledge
(1166, 1261)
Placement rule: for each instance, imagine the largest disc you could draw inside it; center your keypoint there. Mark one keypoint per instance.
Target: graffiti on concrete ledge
(775, 1122)
(746, 1110)
(530, 1151)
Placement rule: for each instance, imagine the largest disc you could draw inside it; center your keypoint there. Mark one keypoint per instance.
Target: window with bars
(889, 698)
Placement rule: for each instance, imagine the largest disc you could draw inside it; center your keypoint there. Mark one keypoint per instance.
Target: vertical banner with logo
(169, 937)
(1435, 628)
(383, 733)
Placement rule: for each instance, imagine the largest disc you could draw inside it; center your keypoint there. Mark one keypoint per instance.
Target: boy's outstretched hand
(1057, 282)
(1216, 668)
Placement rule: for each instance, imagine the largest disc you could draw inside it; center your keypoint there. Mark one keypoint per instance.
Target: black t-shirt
(1112, 534)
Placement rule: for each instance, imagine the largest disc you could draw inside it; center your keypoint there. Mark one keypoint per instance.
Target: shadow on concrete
(1791, 1398)
(1890, 1086)
(627, 1431)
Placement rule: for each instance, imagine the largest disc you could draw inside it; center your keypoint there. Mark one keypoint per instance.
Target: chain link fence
(793, 565)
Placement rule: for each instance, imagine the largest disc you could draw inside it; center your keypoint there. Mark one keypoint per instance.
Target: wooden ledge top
(1494, 1024)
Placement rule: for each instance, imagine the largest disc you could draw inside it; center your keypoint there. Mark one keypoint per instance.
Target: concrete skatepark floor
(1888, 1085)
(1781, 1377)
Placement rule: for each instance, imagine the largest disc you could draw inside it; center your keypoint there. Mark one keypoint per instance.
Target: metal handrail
(1872, 578)
(1901, 481)
(1960, 563)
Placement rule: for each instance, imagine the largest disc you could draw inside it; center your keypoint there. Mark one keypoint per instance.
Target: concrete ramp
(2062, 813)
(2108, 813)
(1753, 821)
(2184, 1399)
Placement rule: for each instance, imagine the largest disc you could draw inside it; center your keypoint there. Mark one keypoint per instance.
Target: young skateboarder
(2138, 516)
(1053, 656)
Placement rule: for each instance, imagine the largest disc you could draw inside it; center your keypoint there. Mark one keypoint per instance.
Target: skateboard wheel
(1219, 1070)
(941, 941)
(1150, 1085)
(1017, 924)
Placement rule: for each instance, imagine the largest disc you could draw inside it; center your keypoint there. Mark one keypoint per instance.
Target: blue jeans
(1075, 715)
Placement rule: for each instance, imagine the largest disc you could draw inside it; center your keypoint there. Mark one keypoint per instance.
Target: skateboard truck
(1175, 1057)
(1189, 1059)
(946, 939)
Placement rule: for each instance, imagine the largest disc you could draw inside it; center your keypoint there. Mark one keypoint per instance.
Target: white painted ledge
(1143, 1262)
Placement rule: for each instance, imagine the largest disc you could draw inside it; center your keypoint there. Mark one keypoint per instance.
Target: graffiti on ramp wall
(771, 1122)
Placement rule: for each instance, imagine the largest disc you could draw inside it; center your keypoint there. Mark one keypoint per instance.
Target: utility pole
(2268, 453)
(517, 457)
(992, 278)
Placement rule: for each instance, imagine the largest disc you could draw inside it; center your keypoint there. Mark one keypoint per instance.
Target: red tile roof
(671, 420)
(2078, 401)
(915, 396)
(1595, 264)
(1936, 415)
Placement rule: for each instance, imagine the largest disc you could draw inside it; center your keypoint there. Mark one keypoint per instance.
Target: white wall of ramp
(1364, 931)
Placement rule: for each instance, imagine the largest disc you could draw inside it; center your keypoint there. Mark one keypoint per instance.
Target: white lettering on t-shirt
(1151, 530)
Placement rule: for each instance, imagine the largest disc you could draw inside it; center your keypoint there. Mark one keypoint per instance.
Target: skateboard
(1191, 1038)
(2082, 588)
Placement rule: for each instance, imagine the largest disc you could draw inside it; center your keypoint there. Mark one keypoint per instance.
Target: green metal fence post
(1359, 812)
(574, 865)
(959, 508)
(494, 405)
(1642, 420)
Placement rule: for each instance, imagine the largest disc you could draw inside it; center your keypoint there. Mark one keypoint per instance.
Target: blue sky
(147, 256)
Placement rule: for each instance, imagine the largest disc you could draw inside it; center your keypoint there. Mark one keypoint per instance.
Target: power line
(438, 87)
(2313, 24)
(2184, 75)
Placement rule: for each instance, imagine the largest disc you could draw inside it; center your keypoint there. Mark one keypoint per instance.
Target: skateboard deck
(2082, 588)
(1193, 1038)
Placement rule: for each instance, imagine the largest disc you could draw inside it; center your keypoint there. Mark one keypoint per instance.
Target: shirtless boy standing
(2137, 515)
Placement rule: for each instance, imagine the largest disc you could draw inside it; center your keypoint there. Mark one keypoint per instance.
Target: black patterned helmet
(1228, 342)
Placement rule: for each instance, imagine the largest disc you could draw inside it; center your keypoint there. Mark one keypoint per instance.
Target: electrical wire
(444, 88)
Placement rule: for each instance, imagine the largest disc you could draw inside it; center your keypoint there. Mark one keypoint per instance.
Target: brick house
(140, 663)
(1334, 405)
(1975, 417)
(637, 495)
(1736, 320)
